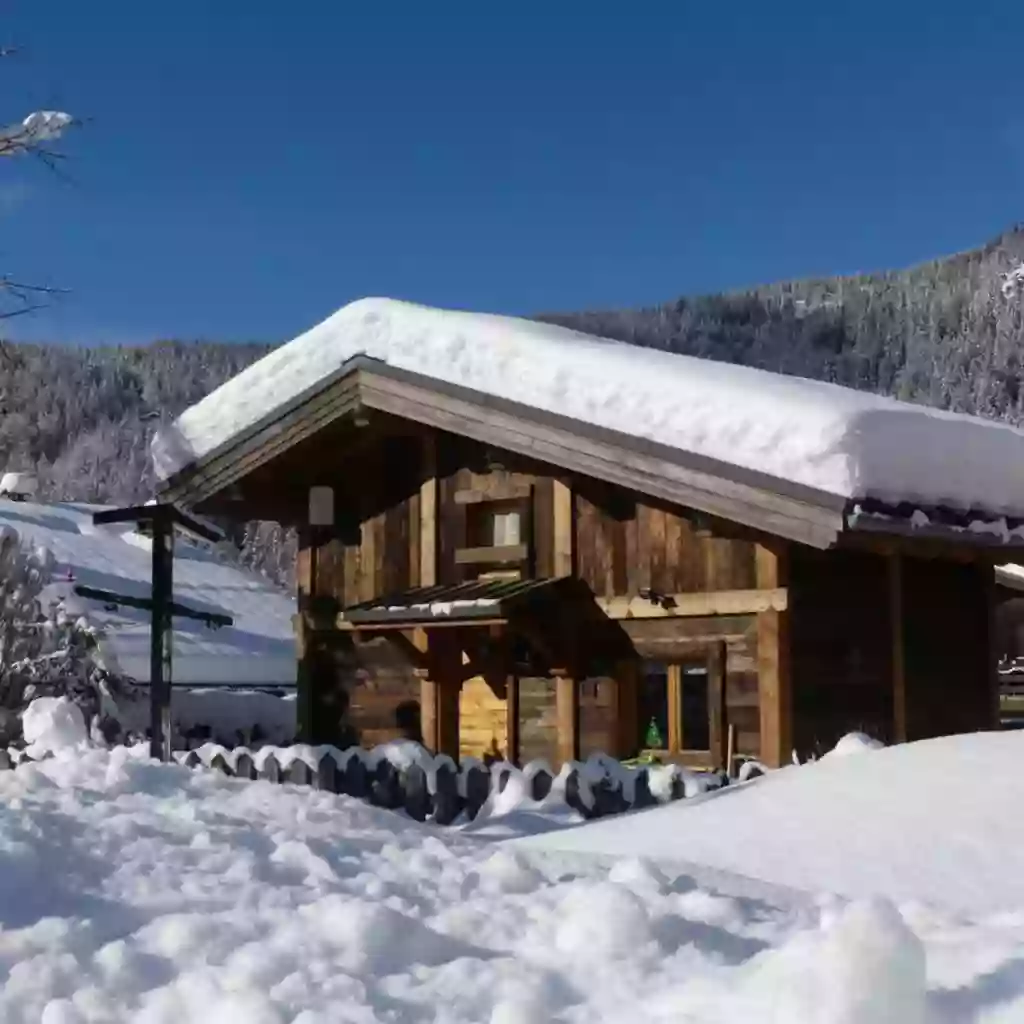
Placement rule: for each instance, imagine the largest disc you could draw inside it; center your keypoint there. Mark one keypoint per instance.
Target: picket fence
(439, 790)
(436, 789)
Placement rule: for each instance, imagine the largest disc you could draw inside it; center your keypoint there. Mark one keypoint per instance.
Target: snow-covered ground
(131, 891)
(258, 648)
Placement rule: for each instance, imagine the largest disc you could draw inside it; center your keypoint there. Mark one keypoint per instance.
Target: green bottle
(652, 740)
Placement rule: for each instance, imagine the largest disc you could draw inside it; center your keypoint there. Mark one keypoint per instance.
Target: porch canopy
(475, 602)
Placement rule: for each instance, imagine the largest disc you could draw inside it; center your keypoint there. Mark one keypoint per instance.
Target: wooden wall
(841, 646)
(625, 544)
(617, 543)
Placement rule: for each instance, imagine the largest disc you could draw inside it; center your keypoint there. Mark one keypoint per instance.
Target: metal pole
(161, 637)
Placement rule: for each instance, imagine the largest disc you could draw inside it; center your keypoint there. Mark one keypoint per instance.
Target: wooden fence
(437, 789)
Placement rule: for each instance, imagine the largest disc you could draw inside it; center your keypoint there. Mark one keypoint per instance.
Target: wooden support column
(991, 665)
(562, 529)
(161, 637)
(775, 696)
(719, 722)
(894, 565)
(440, 685)
(567, 714)
(427, 546)
(627, 708)
(304, 567)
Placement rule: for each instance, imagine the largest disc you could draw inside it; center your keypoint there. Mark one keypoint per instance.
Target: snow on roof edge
(847, 443)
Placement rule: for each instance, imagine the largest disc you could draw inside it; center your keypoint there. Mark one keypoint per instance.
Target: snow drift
(934, 821)
(132, 891)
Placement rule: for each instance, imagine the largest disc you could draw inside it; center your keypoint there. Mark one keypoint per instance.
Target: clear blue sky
(249, 167)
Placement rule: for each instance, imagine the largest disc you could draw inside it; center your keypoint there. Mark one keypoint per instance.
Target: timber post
(161, 520)
(161, 639)
(775, 695)
(440, 686)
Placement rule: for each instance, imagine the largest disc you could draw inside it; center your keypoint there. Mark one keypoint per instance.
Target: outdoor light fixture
(321, 506)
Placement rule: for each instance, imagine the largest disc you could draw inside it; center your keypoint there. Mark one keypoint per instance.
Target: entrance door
(681, 715)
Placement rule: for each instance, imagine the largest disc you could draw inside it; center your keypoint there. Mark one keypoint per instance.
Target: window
(505, 529)
(675, 707)
(695, 708)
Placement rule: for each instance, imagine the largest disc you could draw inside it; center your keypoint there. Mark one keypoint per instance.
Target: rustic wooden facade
(504, 583)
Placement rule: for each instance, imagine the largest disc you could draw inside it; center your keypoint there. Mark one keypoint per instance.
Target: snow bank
(229, 712)
(934, 821)
(52, 725)
(132, 891)
(844, 442)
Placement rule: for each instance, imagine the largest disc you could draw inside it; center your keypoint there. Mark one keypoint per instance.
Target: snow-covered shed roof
(257, 648)
(844, 446)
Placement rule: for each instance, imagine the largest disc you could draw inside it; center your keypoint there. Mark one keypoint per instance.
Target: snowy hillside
(258, 648)
(155, 894)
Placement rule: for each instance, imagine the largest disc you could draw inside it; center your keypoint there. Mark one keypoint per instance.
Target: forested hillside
(948, 333)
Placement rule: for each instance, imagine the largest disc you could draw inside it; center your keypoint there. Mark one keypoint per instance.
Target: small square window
(506, 531)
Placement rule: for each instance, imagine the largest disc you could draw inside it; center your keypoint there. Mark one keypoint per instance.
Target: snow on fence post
(270, 770)
(386, 787)
(447, 802)
(540, 783)
(220, 764)
(642, 796)
(328, 776)
(6, 763)
(356, 782)
(245, 767)
(478, 789)
(417, 796)
(298, 773)
(576, 793)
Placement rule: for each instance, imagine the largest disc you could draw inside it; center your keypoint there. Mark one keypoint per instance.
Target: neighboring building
(257, 649)
(538, 544)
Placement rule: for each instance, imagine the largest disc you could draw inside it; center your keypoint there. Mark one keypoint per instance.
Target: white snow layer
(845, 442)
(131, 891)
(931, 821)
(258, 649)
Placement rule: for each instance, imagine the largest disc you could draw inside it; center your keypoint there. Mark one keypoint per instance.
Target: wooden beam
(304, 567)
(498, 489)
(674, 701)
(894, 566)
(428, 513)
(504, 553)
(627, 708)
(567, 715)
(563, 528)
(717, 711)
(720, 602)
(440, 685)
(774, 685)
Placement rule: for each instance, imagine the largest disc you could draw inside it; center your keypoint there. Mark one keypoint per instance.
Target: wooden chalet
(510, 582)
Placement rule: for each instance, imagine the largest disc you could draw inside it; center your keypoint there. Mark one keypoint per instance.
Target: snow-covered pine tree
(45, 651)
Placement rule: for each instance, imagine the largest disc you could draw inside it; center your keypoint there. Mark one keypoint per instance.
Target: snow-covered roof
(839, 441)
(258, 648)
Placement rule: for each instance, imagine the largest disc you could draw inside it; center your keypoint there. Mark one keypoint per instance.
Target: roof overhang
(708, 485)
(757, 500)
(475, 602)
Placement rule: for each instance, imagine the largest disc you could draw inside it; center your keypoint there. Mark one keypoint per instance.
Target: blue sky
(247, 168)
